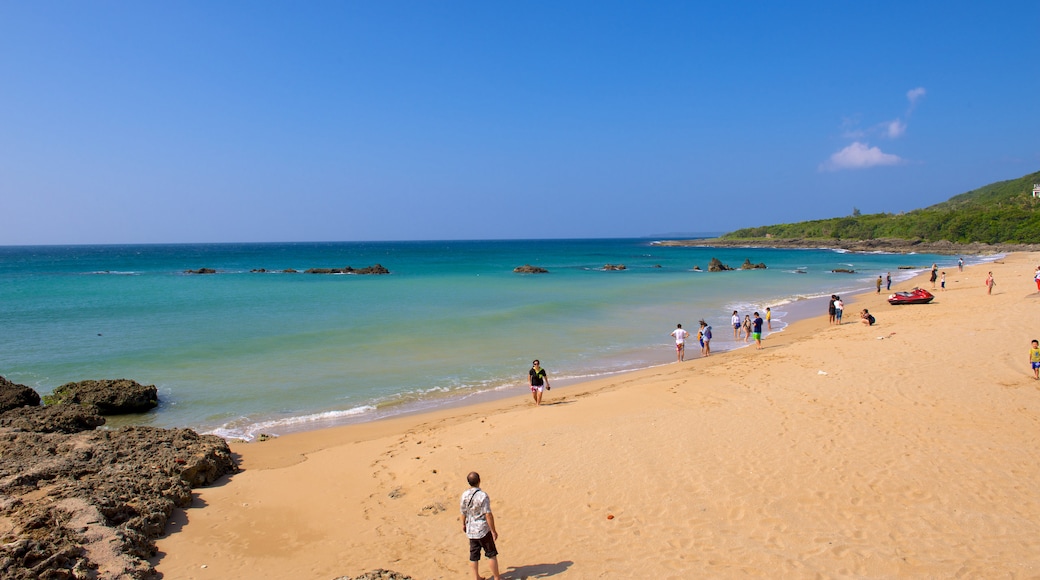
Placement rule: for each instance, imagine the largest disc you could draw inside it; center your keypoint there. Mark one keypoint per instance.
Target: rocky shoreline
(894, 245)
(78, 502)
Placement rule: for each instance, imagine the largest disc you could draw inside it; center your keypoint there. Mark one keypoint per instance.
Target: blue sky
(156, 122)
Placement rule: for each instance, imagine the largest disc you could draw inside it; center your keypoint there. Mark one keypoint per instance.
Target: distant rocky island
(529, 269)
(894, 245)
(377, 269)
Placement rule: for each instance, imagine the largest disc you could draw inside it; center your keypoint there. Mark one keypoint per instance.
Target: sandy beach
(907, 449)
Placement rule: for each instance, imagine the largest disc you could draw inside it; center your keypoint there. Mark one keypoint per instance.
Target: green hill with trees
(1000, 213)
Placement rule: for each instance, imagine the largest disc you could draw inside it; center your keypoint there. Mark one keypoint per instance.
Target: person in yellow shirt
(1034, 359)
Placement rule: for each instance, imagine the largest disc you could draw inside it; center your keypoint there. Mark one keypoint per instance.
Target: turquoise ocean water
(238, 353)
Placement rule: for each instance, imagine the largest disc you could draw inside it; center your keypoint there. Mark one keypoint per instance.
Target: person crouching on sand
(539, 380)
(866, 318)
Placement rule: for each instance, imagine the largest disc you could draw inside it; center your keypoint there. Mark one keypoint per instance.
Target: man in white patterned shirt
(479, 525)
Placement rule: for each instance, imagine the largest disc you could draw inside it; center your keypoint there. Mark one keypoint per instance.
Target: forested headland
(1000, 213)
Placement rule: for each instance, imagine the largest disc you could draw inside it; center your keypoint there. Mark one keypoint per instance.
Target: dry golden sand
(917, 454)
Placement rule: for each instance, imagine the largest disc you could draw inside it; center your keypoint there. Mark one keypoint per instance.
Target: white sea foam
(250, 431)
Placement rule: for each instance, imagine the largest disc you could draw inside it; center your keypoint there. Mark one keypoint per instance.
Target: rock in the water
(614, 267)
(747, 265)
(716, 265)
(374, 269)
(201, 271)
(112, 397)
(13, 395)
(843, 271)
(529, 269)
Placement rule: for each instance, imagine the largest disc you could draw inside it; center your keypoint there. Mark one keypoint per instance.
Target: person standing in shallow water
(680, 342)
(478, 523)
(539, 381)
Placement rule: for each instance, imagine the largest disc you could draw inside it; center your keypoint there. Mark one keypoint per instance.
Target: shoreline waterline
(239, 353)
(797, 311)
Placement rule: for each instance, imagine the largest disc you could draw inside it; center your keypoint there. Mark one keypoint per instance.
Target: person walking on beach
(680, 342)
(1034, 359)
(879, 284)
(935, 270)
(735, 321)
(830, 309)
(942, 282)
(705, 339)
(839, 309)
(990, 282)
(539, 380)
(1036, 278)
(769, 319)
(756, 331)
(478, 523)
(960, 264)
(746, 327)
(888, 281)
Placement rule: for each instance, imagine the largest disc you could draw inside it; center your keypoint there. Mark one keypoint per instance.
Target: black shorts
(487, 542)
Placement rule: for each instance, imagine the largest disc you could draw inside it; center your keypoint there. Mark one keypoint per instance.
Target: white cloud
(914, 94)
(895, 129)
(859, 156)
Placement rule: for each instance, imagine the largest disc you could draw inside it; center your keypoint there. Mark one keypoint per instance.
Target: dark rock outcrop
(112, 397)
(843, 271)
(201, 271)
(529, 269)
(13, 395)
(716, 265)
(747, 265)
(374, 269)
(60, 418)
(90, 504)
(614, 267)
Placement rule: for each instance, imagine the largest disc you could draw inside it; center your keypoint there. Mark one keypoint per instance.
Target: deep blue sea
(238, 353)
